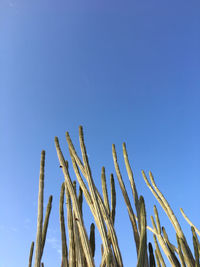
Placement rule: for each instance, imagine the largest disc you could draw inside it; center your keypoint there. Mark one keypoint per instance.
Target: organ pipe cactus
(92, 238)
(81, 249)
(41, 227)
(82, 230)
(38, 249)
(126, 199)
(31, 254)
(143, 235)
(62, 228)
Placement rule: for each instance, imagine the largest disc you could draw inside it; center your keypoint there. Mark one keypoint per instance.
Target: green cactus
(81, 248)
(72, 254)
(157, 259)
(82, 230)
(38, 247)
(80, 200)
(151, 256)
(46, 222)
(113, 198)
(104, 190)
(31, 254)
(143, 235)
(92, 238)
(62, 228)
(126, 199)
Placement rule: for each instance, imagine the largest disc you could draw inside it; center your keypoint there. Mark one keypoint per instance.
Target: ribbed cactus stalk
(151, 256)
(143, 235)
(158, 254)
(104, 190)
(162, 243)
(80, 259)
(62, 228)
(126, 199)
(113, 198)
(165, 205)
(81, 248)
(38, 247)
(190, 223)
(80, 200)
(72, 254)
(31, 255)
(157, 259)
(78, 164)
(92, 238)
(46, 222)
(131, 179)
(180, 253)
(88, 176)
(82, 230)
(196, 247)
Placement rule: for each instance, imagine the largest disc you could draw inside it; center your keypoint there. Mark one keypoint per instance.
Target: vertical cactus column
(41, 228)
(46, 222)
(38, 248)
(77, 163)
(143, 235)
(126, 199)
(75, 204)
(62, 228)
(31, 254)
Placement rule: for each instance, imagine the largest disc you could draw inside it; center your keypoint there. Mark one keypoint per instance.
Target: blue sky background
(125, 70)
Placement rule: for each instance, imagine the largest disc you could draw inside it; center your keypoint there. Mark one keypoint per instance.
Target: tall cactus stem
(80, 200)
(196, 247)
(188, 220)
(113, 198)
(157, 220)
(104, 190)
(131, 179)
(126, 199)
(157, 259)
(38, 247)
(62, 228)
(31, 255)
(180, 253)
(151, 256)
(92, 238)
(82, 230)
(72, 254)
(158, 252)
(143, 235)
(91, 185)
(46, 222)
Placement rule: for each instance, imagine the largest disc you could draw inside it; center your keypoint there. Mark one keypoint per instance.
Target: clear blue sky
(125, 70)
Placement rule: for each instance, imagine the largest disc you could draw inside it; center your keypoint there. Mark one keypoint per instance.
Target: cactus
(38, 249)
(31, 254)
(126, 199)
(104, 190)
(92, 238)
(62, 229)
(46, 222)
(113, 198)
(82, 231)
(81, 249)
(152, 262)
(72, 255)
(143, 235)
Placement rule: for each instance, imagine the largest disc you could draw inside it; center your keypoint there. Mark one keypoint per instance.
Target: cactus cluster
(80, 251)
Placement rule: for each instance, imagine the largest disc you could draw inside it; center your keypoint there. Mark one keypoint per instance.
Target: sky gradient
(127, 71)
